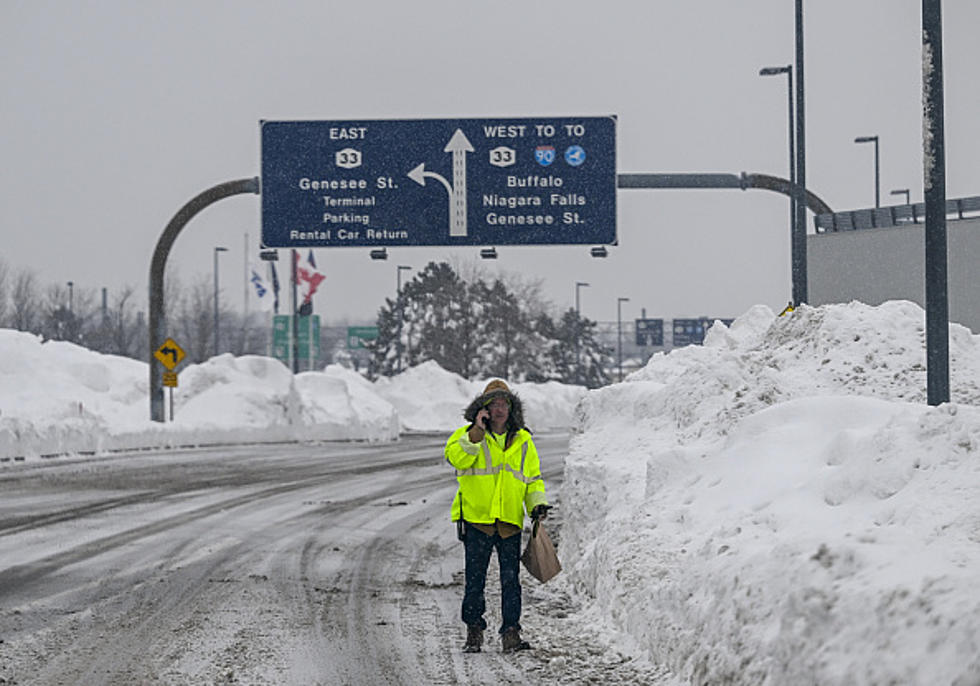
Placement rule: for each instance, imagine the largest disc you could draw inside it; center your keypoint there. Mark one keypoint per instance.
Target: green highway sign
(282, 335)
(357, 335)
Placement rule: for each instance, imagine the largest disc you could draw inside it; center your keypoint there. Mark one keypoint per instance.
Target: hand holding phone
(483, 419)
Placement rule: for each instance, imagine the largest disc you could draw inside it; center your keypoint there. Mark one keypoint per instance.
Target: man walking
(499, 478)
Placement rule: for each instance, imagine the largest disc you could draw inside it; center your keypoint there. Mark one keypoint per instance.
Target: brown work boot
(510, 640)
(474, 639)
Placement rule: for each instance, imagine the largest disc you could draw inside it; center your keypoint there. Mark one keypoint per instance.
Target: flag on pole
(262, 294)
(275, 287)
(308, 277)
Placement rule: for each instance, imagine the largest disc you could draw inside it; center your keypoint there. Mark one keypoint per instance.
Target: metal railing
(897, 215)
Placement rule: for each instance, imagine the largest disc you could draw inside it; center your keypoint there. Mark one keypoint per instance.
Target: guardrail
(897, 215)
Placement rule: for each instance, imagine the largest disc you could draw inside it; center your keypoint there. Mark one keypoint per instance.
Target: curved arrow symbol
(418, 176)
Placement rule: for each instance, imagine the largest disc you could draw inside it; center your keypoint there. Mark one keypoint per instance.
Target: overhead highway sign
(446, 182)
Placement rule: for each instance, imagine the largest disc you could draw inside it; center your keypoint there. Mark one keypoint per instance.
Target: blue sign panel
(650, 332)
(447, 182)
(688, 331)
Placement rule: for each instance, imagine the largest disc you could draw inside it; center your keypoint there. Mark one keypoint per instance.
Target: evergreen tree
(579, 357)
(476, 329)
(538, 357)
(447, 318)
(502, 332)
(383, 349)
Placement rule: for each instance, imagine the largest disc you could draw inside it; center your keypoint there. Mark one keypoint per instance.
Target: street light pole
(401, 313)
(905, 192)
(873, 139)
(793, 233)
(217, 249)
(800, 286)
(934, 194)
(578, 333)
(71, 297)
(619, 335)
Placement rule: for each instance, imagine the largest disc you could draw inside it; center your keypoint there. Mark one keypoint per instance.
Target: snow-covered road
(316, 564)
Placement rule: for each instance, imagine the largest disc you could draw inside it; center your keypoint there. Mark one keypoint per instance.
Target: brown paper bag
(539, 556)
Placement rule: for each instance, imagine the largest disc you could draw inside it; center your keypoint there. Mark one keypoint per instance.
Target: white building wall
(875, 265)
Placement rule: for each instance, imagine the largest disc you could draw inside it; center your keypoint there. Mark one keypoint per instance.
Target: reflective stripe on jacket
(495, 483)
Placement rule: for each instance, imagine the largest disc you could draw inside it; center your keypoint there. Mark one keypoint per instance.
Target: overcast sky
(115, 114)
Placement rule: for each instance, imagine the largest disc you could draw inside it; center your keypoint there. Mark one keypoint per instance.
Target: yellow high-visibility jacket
(495, 483)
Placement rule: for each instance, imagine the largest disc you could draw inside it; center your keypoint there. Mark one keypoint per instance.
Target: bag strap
(461, 523)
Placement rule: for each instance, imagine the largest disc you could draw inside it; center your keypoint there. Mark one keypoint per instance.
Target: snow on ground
(780, 506)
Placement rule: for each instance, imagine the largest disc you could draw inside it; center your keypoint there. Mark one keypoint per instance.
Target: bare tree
(66, 313)
(123, 320)
(194, 321)
(527, 288)
(114, 330)
(246, 335)
(173, 293)
(4, 296)
(25, 303)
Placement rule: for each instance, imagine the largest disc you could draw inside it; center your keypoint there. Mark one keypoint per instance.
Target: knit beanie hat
(496, 386)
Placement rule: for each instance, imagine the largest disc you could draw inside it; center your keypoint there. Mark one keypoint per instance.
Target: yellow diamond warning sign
(170, 354)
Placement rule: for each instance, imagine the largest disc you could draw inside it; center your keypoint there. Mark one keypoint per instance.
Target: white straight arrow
(458, 145)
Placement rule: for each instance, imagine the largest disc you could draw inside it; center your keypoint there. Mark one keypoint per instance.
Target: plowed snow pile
(780, 506)
(60, 398)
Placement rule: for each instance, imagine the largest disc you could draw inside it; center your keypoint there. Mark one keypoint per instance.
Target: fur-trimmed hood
(515, 420)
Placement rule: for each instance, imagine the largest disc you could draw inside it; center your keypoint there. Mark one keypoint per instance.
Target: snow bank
(429, 398)
(60, 398)
(779, 506)
(549, 405)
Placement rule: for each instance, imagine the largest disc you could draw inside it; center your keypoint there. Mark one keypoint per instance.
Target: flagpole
(245, 284)
(294, 329)
(310, 320)
(274, 284)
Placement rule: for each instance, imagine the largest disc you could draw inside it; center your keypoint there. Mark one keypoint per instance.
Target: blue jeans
(478, 547)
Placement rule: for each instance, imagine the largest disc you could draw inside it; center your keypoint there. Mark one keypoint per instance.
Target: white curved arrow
(418, 176)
